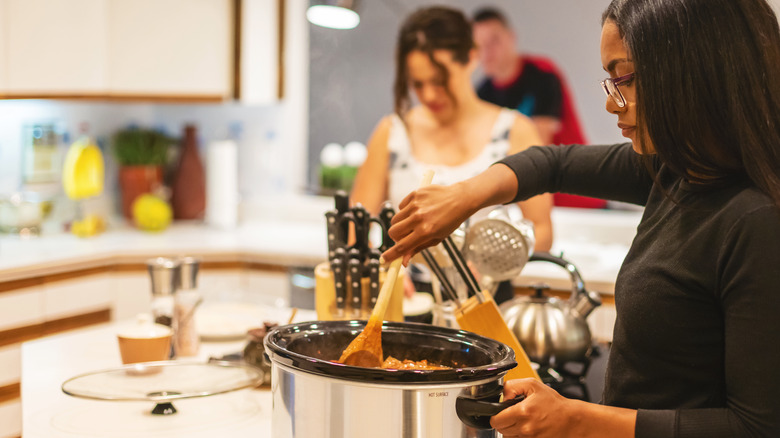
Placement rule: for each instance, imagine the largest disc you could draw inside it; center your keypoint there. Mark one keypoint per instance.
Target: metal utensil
(446, 286)
(460, 265)
(480, 314)
(498, 247)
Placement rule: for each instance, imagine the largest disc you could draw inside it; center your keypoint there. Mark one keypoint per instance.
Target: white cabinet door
(170, 47)
(260, 52)
(55, 46)
(3, 45)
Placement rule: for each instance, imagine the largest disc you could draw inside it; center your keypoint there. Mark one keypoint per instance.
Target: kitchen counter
(278, 243)
(49, 413)
(596, 241)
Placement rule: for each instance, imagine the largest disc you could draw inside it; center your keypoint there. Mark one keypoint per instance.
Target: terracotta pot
(135, 181)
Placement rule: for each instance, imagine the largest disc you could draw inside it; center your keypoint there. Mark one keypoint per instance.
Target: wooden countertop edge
(17, 278)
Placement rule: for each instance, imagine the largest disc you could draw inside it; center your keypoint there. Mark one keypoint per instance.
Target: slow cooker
(313, 396)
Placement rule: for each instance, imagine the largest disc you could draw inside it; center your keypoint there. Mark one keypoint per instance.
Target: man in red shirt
(532, 85)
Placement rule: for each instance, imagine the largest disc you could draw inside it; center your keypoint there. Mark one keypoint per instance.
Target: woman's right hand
(428, 215)
(425, 218)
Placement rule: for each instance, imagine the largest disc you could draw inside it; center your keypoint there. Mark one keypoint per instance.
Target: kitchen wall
(272, 144)
(260, 140)
(352, 70)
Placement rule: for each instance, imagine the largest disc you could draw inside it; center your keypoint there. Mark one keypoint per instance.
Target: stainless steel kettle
(553, 331)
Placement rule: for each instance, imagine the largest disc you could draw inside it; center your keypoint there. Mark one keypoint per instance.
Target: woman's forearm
(589, 420)
(495, 186)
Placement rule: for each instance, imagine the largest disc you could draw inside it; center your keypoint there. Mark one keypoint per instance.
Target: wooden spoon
(366, 349)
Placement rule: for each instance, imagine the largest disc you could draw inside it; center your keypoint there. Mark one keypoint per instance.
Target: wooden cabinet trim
(30, 332)
(114, 97)
(606, 299)
(10, 392)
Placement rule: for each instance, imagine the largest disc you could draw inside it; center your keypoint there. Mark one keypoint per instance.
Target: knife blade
(339, 280)
(355, 276)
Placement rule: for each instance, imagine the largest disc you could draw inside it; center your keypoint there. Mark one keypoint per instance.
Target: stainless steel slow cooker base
(316, 397)
(305, 405)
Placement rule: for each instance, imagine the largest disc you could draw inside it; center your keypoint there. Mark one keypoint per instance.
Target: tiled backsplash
(264, 161)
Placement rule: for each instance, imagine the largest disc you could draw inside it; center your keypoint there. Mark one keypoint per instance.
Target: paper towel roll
(222, 184)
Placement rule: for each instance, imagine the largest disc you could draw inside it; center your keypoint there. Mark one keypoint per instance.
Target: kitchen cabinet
(261, 36)
(3, 45)
(170, 47)
(154, 50)
(54, 47)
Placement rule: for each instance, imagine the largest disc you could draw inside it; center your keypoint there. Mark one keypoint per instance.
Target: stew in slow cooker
(395, 364)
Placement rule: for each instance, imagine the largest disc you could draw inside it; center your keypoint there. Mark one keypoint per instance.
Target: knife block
(325, 296)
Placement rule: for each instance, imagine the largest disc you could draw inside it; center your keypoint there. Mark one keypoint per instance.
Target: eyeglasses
(611, 89)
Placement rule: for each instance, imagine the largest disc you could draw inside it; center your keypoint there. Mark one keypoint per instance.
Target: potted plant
(142, 154)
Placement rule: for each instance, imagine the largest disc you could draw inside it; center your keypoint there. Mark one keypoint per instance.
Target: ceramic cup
(144, 341)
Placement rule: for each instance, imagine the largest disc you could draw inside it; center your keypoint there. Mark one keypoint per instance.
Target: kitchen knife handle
(373, 275)
(341, 199)
(355, 268)
(331, 218)
(361, 229)
(339, 280)
(385, 219)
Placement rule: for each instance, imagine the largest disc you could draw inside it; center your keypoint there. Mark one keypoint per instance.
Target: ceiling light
(335, 14)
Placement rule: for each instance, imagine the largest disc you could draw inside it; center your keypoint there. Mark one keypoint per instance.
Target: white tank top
(406, 172)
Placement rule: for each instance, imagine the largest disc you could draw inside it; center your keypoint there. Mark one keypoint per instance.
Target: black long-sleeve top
(696, 345)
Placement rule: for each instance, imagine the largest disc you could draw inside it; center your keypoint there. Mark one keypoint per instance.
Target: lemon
(83, 170)
(151, 213)
(91, 225)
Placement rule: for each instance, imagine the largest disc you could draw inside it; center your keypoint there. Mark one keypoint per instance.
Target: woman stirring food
(451, 131)
(695, 353)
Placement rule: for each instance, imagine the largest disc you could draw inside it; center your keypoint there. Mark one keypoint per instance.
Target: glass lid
(161, 381)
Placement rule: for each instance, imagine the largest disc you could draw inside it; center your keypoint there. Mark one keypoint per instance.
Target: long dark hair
(427, 30)
(708, 88)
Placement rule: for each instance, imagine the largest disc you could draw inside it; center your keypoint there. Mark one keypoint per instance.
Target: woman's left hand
(544, 413)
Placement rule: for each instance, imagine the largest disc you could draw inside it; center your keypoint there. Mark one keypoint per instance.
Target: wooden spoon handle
(392, 272)
(383, 299)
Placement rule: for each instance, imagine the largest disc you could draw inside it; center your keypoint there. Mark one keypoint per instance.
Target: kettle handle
(476, 411)
(578, 286)
(581, 301)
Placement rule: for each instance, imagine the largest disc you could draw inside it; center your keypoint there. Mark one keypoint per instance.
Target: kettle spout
(585, 302)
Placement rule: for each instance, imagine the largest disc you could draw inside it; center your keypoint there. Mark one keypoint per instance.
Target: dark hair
(708, 92)
(427, 30)
(487, 14)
